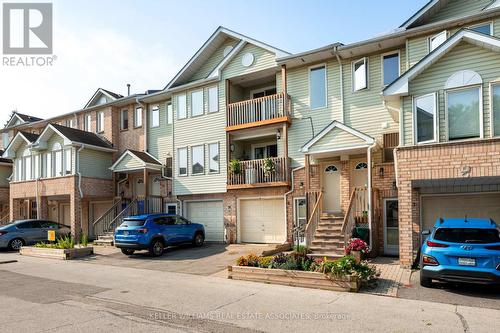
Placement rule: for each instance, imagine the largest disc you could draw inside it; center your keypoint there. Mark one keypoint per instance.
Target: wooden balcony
(253, 174)
(262, 111)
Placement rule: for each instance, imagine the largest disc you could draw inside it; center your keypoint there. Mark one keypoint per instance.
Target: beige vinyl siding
(262, 59)
(160, 138)
(307, 123)
(96, 164)
(213, 61)
(463, 56)
(457, 8)
(336, 138)
(129, 163)
(5, 172)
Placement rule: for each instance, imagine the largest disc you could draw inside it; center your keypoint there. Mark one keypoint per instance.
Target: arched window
(361, 166)
(331, 169)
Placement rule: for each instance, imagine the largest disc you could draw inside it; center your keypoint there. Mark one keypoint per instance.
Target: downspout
(370, 196)
(289, 192)
(341, 67)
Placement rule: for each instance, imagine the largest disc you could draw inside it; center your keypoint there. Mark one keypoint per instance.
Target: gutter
(370, 196)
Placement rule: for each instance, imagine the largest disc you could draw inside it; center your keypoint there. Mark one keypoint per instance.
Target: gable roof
(336, 124)
(400, 86)
(23, 118)
(73, 136)
(207, 49)
(28, 138)
(99, 92)
(144, 159)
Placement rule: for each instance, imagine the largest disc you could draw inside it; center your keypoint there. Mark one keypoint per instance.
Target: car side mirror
(426, 232)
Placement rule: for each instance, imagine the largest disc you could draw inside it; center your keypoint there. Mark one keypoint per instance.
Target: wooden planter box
(293, 278)
(62, 254)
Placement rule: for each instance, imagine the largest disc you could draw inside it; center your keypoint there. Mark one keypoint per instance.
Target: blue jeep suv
(461, 250)
(154, 232)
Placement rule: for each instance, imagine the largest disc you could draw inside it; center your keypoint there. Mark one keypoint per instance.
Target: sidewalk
(392, 276)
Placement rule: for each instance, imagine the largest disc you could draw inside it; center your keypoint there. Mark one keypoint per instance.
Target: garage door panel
(262, 220)
(210, 214)
(459, 206)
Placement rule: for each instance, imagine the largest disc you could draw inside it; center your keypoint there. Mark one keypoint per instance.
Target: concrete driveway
(452, 293)
(211, 258)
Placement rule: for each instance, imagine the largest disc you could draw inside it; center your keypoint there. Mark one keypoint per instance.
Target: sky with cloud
(110, 43)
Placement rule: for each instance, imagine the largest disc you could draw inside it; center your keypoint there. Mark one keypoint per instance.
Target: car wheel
(15, 244)
(198, 239)
(425, 281)
(128, 252)
(156, 248)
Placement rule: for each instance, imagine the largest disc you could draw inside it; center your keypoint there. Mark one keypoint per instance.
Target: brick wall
(458, 160)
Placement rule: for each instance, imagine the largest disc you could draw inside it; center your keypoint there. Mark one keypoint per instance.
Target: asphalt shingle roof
(84, 137)
(145, 157)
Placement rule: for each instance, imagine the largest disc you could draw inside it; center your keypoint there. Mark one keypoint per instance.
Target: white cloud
(86, 60)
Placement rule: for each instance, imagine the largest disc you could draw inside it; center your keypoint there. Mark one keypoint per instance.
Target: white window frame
(490, 23)
(170, 205)
(310, 69)
(47, 165)
(100, 122)
(398, 52)
(170, 113)
(353, 76)
(210, 157)
(27, 173)
(122, 112)
(184, 110)
(481, 111)
(429, 40)
(55, 163)
(87, 122)
(155, 109)
(36, 166)
(492, 115)
(209, 100)
(192, 160)
(179, 162)
(202, 103)
(68, 165)
(138, 117)
(436, 117)
(18, 165)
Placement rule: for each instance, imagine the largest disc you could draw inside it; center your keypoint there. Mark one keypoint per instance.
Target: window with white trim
(87, 125)
(124, 120)
(197, 103)
(198, 160)
(425, 118)
(67, 161)
(57, 152)
(71, 123)
(182, 161)
(213, 99)
(495, 96)
(483, 28)
(390, 68)
(155, 117)
(317, 87)
(100, 122)
(361, 166)
(138, 117)
(464, 113)
(331, 169)
(437, 40)
(181, 106)
(36, 166)
(170, 114)
(360, 74)
(213, 157)
(27, 168)
(47, 165)
(18, 169)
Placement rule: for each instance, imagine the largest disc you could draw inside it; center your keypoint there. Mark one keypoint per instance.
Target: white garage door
(210, 214)
(262, 221)
(458, 206)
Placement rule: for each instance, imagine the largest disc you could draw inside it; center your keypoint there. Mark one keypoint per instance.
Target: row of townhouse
(377, 138)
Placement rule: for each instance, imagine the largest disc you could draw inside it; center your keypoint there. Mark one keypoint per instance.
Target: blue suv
(154, 232)
(461, 250)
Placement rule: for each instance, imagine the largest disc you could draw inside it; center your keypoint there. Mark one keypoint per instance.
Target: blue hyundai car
(154, 232)
(461, 250)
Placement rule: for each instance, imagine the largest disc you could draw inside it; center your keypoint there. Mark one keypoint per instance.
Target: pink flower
(356, 244)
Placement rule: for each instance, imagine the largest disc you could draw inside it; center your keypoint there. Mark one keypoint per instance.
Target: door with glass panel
(391, 227)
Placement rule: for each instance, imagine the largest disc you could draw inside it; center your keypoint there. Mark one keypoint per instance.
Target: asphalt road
(38, 295)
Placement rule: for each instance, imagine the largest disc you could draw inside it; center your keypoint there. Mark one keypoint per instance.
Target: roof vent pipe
(128, 89)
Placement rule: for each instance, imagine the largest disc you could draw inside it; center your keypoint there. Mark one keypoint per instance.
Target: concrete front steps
(105, 239)
(328, 241)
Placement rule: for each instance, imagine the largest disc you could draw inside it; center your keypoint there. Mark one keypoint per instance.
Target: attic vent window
(247, 59)
(227, 49)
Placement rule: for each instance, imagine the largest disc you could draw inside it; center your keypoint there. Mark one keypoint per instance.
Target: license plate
(125, 233)
(467, 261)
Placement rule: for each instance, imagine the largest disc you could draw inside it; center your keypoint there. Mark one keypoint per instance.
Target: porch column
(146, 182)
(43, 208)
(75, 215)
(14, 205)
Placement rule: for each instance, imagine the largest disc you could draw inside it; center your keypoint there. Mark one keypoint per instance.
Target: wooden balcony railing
(255, 173)
(258, 111)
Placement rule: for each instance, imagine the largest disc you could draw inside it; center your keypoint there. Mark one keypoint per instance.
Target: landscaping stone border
(62, 254)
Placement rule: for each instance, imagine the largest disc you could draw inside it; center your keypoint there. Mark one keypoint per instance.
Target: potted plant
(235, 167)
(269, 166)
(357, 247)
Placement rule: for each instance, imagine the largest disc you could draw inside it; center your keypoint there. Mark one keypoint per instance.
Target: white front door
(331, 188)
(359, 175)
(139, 188)
(391, 229)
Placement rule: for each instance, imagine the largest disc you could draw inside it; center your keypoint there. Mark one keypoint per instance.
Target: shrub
(278, 260)
(301, 249)
(347, 265)
(250, 260)
(235, 167)
(265, 262)
(65, 242)
(356, 244)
